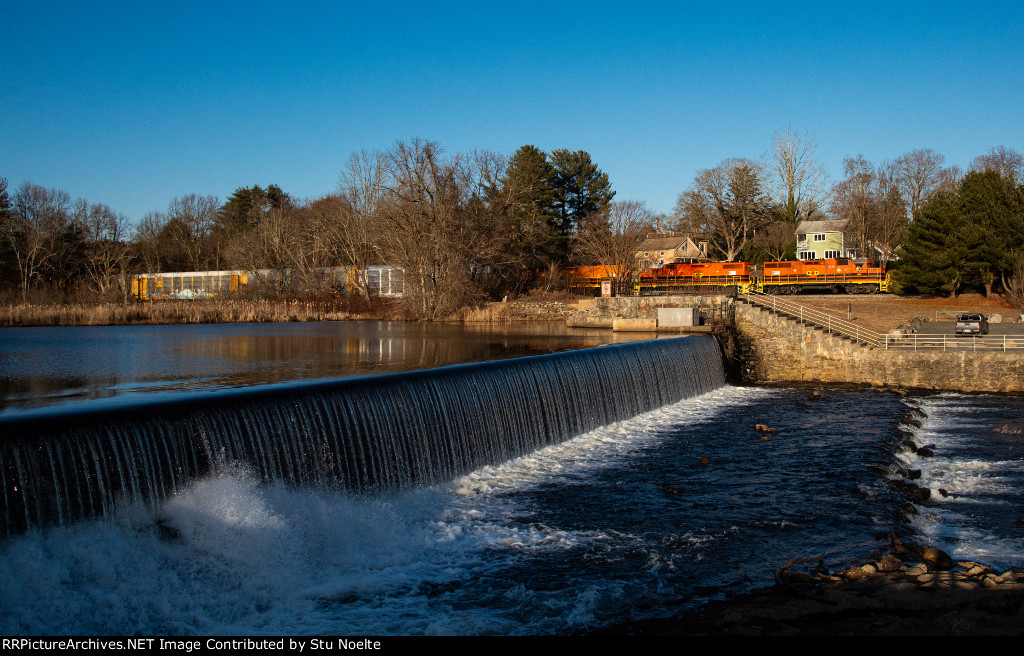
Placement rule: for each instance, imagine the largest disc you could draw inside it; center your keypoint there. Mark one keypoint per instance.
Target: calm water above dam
(63, 366)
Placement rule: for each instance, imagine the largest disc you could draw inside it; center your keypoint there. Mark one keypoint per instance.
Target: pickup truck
(971, 324)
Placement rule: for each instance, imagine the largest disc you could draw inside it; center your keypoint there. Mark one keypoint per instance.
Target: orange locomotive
(680, 275)
(841, 275)
(588, 279)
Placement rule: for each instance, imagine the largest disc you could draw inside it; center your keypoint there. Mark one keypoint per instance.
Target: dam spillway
(374, 433)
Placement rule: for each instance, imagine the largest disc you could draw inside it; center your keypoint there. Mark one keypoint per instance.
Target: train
(842, 275)
(834, 275)
(695, 276)
(380, 280)
(593, 280)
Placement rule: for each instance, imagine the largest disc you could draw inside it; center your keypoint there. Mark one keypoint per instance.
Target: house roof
(805, 227)
(663, 243)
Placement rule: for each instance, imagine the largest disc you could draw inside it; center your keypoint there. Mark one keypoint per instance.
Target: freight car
(187, 284)
(380, 280)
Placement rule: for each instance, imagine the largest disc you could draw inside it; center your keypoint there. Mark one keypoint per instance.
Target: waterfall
(373, 433)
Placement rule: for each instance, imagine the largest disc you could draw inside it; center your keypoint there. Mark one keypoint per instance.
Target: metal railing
(815, 317)
(867, 337)
(917, 342)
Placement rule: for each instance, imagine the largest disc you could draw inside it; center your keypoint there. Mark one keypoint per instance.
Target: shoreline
(925, 594)
(191, 311)
(911, 590)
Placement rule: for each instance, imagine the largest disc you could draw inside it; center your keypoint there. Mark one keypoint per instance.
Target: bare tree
(919, 175)
(725, 206)
(146, 238)
(1007, 161)
(347, 221)
(33, 230)
(889, 224)
(854, 201)
(191, 218)
(796, 182)
(497, 260)
(364, 181)
(107, 235)
(422, 228)
(950, 178)
(613, 235)
(777, 237)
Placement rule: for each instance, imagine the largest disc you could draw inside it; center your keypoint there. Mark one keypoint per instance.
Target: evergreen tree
(581, 190)
(527, 187)
(991, 206)
(929, 260)
(243, 209)
(967, 237)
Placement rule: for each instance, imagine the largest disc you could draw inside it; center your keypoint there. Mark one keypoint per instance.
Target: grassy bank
(535, 306)
(194, 311)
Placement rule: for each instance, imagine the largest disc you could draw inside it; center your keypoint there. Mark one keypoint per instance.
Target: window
(819, 237)
(831, 255)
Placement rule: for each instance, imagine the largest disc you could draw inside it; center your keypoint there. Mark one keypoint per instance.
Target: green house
(819, 240)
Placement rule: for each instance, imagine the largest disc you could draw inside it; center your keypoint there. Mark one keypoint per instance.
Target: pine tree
(967, 237)
(528, 189)
(928, 262)
(581, 189)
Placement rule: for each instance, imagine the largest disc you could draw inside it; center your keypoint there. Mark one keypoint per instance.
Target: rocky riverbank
(911, 591)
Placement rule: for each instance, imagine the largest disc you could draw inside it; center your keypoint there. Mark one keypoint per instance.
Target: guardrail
(858, 334)
(815, 317)
(918, 342)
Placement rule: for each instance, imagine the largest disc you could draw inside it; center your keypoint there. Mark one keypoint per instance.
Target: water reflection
(42, 367)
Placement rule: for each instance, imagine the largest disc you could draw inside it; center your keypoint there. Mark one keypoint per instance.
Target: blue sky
(132, 103)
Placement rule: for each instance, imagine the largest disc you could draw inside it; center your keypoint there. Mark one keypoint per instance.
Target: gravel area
(886, 312)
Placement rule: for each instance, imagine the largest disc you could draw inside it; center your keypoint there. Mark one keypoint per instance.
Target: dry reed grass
(188, 311)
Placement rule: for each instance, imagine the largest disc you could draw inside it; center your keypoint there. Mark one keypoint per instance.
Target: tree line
(466, 227)
(940, 229)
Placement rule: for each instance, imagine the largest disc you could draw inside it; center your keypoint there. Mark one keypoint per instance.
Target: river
(112, 365)
(619, 524)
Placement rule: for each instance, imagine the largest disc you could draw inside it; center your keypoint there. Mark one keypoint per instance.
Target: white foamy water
(238, 557)
(975, 476)
(615, 525)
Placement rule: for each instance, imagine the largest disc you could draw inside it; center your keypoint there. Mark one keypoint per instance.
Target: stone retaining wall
(773, 348)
